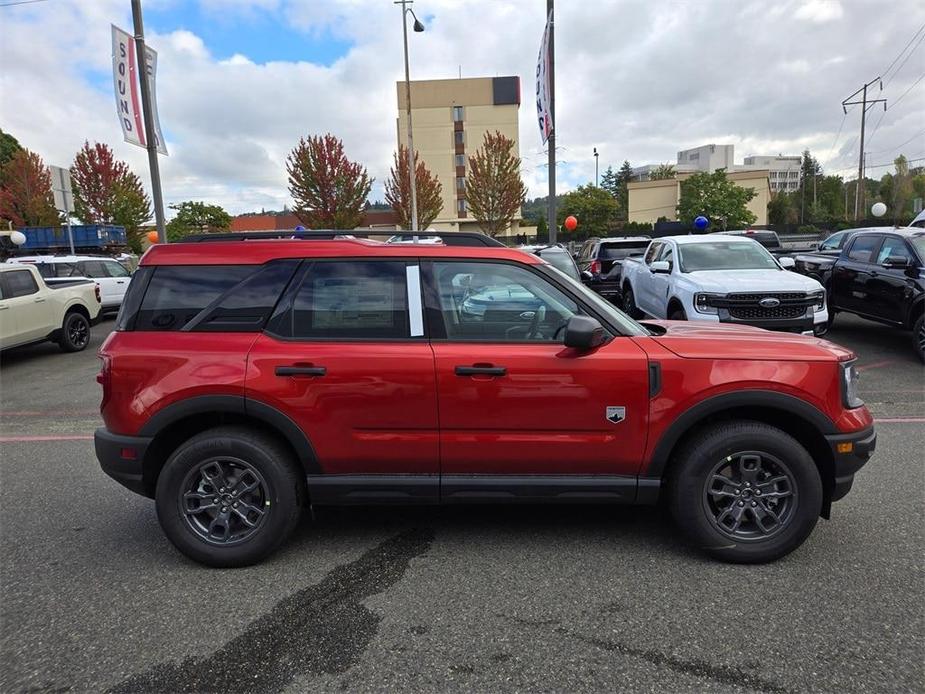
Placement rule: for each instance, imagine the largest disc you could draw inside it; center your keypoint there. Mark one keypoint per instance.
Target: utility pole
(859, 195)
(150, 137)
(595, 168)
(551, 142)
(418, 26)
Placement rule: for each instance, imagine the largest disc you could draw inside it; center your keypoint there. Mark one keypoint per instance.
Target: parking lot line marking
(85, 413)
(876, 364)
(42, 437)
(900, 420)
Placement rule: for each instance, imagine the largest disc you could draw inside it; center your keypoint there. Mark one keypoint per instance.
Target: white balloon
(18, 238)
(878, 209)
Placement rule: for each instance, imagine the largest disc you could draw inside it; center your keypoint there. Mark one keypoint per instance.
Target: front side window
(114, 269)
(19, 283)
(863, 248)
(494, 302)
(352, 300)
(893, 248)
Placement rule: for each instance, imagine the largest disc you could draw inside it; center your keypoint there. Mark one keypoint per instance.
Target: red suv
(248, 379)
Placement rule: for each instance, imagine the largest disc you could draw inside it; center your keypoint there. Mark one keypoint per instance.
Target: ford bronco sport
(248, 379)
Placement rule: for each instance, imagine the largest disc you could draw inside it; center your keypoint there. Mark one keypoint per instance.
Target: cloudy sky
(241, 80)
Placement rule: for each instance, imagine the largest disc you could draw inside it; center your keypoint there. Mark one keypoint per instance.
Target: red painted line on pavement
(876, 364)
(62, 437)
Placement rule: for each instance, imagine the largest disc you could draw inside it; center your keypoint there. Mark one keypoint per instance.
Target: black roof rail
(450, 238)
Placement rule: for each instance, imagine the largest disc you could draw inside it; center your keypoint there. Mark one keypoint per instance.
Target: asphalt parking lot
(94, 597)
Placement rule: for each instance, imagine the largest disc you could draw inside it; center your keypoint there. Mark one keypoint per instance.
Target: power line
(21, 2)
(837, 135)
(908, 90)
(893, 149)
(877, 166)
(896, 72)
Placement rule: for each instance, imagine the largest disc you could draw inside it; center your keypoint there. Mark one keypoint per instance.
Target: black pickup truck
(879, 275)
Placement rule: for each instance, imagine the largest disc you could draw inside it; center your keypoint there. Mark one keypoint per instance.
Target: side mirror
(663, 266)
(787, 263)
(586, 276)
(584, 332)
(896, 261)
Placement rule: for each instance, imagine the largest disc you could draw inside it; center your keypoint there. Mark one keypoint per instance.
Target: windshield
(624, 250)
(560, 260)
(626, 324)
(725, 255)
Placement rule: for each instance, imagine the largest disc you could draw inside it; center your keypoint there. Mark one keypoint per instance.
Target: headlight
(703, 303)
(849, 385)
(819, 296)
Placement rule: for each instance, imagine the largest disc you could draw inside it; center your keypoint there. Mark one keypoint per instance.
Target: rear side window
(351, 300)
(177, 293)
(862, 250)
(93, 268)
(19, 283)
(114, 269)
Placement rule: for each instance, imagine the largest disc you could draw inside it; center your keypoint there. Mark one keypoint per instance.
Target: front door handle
(480, 370)
(39, 301)
(120, 281)
(307, 370)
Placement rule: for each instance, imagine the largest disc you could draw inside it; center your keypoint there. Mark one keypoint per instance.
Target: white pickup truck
(722, 279)
(31, 311)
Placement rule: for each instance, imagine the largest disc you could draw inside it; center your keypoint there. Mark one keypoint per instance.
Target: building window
(461, 183)
(457, 113)
(461, 206)
(694, 157)
(460, 160)
(459, 137)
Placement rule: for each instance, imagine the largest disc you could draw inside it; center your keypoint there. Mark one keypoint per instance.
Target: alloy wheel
(78, 333)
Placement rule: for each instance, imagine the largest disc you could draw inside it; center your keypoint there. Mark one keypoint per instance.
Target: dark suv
(600, 261)
(247, 380)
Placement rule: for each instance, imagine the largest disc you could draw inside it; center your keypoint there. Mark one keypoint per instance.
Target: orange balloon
(571, 223)
(152, 236)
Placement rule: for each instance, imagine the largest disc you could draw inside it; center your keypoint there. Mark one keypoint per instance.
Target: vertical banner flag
(125, 83)
(542, 85)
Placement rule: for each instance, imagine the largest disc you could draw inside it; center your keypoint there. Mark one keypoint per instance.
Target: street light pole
(418, 26)
(595, 167)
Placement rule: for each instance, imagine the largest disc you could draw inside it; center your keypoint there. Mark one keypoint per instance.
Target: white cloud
(638, 80)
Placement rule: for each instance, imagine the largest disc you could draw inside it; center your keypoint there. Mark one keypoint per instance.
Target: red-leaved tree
(328, 189)
(428, 191)
(494, 190)
(25, 191)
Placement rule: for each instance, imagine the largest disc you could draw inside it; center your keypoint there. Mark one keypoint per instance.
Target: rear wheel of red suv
(229, 496)
(745, 492)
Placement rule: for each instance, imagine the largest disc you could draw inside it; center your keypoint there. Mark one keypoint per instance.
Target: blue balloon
(300, 228)
(701, 222)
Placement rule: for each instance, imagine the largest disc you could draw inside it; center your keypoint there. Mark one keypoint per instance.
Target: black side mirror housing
(896, 261)
(586, 276)
(584, 332)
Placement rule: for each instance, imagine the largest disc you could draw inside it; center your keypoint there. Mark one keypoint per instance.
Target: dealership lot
(557, 598)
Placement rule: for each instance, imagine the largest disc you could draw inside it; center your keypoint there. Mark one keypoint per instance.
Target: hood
(771, 281)
(698, 340)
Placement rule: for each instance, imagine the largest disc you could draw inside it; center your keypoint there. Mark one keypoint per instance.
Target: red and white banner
(543, 75)
(125, 84)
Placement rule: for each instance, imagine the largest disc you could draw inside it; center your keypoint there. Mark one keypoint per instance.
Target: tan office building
(649, 200)
(449, 119)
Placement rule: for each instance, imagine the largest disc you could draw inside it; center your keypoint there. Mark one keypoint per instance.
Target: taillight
(104, 378)
(595, 267)
(96, 290)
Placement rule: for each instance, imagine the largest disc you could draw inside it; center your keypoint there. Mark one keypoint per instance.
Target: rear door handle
(480, 370)
(300, 371)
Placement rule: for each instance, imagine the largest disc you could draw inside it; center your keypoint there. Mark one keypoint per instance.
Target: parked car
(111, 275)
(557, 256)
(722, 279)
(31, 311)
(600, 261)
(766, 237)
(246, 381)
(879, 275)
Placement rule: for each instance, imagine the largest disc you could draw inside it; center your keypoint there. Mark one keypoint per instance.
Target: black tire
(918, 337)
(698, 495)
(629, 303)
(261, 459)
(75, 332)
(677, 313)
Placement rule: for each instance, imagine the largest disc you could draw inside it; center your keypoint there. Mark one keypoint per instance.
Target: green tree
(428, 191)
(662, 172)
(901, 198)
(595, 209)
(131, 208)
(610, 182)
(624, 176)
(328, 189)
(196, 218)
(542, 230)
(779, 208)
(9, 146)
(717, 198)
(495, 191)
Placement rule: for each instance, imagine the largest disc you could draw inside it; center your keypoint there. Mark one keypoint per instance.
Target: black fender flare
(768, 399)
(237, 404)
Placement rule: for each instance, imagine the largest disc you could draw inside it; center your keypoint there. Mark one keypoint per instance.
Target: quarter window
(352, 299)
(862, 250)
(177, 293)
(493, 302)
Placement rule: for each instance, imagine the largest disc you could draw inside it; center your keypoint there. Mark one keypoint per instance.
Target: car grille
(746, 306)
(760, 313)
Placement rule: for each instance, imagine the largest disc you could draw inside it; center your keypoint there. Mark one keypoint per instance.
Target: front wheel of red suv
(745, 492)
(229, 496)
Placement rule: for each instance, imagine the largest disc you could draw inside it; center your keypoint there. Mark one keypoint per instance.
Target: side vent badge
(615, 415)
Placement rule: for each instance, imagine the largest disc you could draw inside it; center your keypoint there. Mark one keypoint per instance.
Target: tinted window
(560, 259)
(176, 293)
(93, 268)
(19, 283)
(862, 250)
(247, 305)
(833, 242)
(623, 250)
(128, 311)
(500, 303)
(114, 269)
(725, 255)
(654, 248)
(352, 299)
(893, 248)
